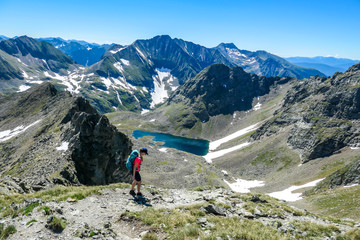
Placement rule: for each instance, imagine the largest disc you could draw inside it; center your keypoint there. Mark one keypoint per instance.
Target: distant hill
(327, 65)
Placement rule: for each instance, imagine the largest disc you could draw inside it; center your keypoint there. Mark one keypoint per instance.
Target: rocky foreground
(109, 212)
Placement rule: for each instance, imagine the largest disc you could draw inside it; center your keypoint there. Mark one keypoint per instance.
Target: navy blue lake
(195, 146)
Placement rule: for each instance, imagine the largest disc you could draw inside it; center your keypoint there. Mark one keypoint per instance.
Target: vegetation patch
(57, 225)
(60, 193)
(6, 232)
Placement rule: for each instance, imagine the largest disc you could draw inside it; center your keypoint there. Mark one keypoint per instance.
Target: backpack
(130, 161)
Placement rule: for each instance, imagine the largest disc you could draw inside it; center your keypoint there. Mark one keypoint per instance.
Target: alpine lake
(195, 146)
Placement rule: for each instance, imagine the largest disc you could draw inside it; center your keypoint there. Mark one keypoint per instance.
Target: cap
(144, 150)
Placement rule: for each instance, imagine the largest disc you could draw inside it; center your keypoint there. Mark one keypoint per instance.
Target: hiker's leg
(138, 186)
(133, 185)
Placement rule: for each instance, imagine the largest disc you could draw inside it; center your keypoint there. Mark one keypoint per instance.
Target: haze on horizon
(285, 28)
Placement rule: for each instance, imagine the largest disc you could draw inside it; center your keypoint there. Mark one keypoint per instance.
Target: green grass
(340, 203)
(149, 236)
(181, 223)
(60, 193)
(315, 230)
(24, 211)
(166, 162)
(31, 221)
(47, 210)
(6, 232)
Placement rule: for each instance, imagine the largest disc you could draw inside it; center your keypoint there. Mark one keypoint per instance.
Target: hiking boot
(132, 192)
(139, 194)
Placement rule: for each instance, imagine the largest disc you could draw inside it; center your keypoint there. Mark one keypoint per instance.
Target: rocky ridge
(323, 114)
(49, 138)
(112, 214)
(219, 89)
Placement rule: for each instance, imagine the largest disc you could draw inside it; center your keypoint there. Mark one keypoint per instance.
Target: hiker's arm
(134, 170)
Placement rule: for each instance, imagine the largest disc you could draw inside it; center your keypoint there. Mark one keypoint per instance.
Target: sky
(283, 27)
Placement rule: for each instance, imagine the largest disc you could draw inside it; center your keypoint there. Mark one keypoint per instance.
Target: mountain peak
(165, 37)
(228, 45)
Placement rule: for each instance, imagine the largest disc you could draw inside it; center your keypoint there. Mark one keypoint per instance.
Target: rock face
(323, 113)
(219, 89)
(48, 138)
(347, 176)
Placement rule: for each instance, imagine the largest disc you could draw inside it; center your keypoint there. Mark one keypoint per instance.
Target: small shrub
(149, 236)
(47, 210)
(353, 234)
(6, 232)
(57, 225)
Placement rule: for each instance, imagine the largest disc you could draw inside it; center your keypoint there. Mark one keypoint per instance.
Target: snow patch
(125, 62)
(63, 147)
(212, 155)
(8, 134)
(118, 97)
(288, 194)
(224, 172)
(163, 149)
(23, 88)
(144, 111)
(119, 67)
(107, 82)
(152, 120)
(354, 148)
(257, 106)
(215, 144)
(160, 93)
(352, 185)
(116, 50)
(244, 186)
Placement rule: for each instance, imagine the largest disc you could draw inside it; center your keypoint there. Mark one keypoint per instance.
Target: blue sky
(283, 27)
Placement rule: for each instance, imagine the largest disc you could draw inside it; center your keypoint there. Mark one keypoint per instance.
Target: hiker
(135, 171)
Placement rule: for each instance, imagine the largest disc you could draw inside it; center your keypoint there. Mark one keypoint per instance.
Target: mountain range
(327, 65)
(134, 77)
(269, 130)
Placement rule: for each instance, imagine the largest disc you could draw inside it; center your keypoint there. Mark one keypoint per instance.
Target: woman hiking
(135, 172)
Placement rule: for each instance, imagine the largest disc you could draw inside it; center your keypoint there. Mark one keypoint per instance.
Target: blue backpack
(130, 161)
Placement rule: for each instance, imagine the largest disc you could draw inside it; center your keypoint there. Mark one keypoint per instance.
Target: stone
(202, 220)
(142, 234)
(256, 199)
(49, 219)
(216, 210)
(248, 215)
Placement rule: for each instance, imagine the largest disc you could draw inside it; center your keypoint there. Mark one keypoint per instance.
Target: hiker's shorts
(137, 176)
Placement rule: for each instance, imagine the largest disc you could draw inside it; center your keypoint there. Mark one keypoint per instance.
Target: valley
(267, 130)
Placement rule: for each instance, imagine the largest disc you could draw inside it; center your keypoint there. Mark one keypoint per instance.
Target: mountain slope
(323, 113)
(42, 54)
(49, 138)
(217, 90)
(264, 63)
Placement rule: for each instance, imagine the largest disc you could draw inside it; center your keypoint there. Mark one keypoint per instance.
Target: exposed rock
(219, 89)
(324, 115)
(215, 210)
(63, 141)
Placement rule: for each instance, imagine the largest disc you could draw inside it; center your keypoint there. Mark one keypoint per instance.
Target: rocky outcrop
(324, 115)
(49, 137)
(347, 176)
